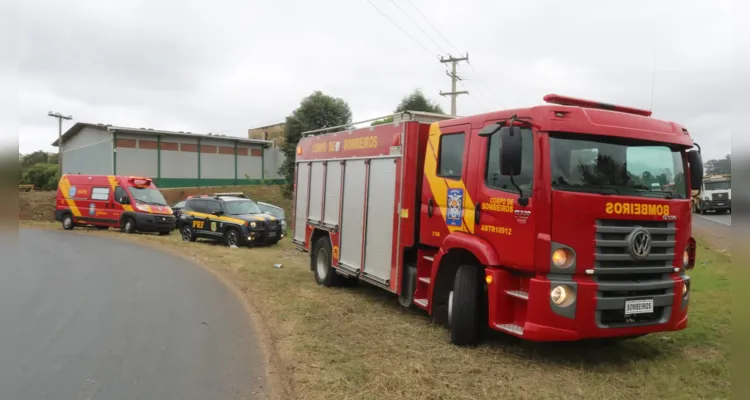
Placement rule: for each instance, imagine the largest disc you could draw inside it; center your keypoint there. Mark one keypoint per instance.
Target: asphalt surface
(85, 317)
(716, 229)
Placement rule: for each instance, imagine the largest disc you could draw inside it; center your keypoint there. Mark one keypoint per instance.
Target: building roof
(148, 131)
(267, 126)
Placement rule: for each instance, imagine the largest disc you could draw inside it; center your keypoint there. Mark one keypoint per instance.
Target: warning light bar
(572, 101)
(139, 180)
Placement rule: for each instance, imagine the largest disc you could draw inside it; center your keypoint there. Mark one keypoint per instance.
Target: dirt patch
(40, 206)
(359, 343)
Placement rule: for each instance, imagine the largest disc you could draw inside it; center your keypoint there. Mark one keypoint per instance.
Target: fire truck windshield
(598, 164)
(148, 196)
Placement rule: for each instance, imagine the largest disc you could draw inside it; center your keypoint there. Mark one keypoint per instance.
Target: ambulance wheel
(187, 234)
(128, 225)
(465, 307)
(321, 263)
(67, 222)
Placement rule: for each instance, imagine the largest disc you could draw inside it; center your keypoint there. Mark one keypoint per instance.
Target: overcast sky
(225, 66)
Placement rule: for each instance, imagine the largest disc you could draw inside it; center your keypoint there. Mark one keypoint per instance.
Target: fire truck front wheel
(465, 306)
(321, 259)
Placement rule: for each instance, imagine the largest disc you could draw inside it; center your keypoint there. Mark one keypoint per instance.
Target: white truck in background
(715, 195)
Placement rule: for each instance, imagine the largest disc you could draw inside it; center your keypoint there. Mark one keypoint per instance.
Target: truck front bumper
(598, 309)
(716, 205)
(154, 222)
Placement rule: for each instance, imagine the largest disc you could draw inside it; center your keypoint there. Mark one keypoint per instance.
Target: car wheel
(128, 225)
(187, 234)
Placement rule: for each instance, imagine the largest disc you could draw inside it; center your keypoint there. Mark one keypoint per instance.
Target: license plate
(271, 234)
(639, 307)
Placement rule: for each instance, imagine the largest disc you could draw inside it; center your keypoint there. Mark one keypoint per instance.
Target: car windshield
(240, 207)
(148, 196)
(616, 166)
(723, 185)
(275, 211)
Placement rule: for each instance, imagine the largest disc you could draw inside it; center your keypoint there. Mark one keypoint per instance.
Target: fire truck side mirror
(695, 163)
(510, 150)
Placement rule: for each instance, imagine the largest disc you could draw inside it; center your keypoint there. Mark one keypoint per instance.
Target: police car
(231, 218)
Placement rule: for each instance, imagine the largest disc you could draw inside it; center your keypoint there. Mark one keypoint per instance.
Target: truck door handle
(429, 208)
(477, 213)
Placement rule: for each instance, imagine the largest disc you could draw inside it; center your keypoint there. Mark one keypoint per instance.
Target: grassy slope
(358, 343)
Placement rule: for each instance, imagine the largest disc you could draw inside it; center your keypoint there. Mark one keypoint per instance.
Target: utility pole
(454, 78)
(59, 117)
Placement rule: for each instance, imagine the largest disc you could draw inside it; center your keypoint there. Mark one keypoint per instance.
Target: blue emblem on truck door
(455, 207)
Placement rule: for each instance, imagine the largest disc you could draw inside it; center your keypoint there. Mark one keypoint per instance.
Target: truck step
(429, 258)
(422, 303)
(518, 294)
(510, 328)
(425, 279)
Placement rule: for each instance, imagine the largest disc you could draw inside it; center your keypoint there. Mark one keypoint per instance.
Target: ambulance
(130, 203)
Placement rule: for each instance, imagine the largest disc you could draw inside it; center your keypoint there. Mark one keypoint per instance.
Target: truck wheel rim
(232, 238)
(322, 263)
(186, 234)
(67, 222)
(450, 307)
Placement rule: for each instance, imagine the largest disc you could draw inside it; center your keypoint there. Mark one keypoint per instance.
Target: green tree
(723, 166)
(43, 176)
(315, 111)
(415, 101)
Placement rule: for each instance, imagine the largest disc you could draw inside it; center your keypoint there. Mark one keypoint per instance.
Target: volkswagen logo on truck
(639, 243)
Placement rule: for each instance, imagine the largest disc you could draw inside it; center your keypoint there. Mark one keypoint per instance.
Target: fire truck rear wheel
(465, 306)
(321, 258)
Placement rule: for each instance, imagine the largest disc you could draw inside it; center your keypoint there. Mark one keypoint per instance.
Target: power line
(399, 27)
(433, 27)
(419, 27)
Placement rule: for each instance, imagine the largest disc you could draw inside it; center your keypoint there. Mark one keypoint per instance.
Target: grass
(359, 343)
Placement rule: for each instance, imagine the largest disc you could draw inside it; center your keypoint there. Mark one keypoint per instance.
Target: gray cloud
(228, 65)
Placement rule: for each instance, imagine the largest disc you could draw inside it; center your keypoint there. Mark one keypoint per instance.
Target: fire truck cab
(538, 222)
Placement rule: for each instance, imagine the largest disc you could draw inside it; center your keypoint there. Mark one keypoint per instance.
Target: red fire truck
(535, 222)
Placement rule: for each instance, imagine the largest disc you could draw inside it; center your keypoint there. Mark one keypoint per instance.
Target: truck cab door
(507, 225)
(446, 203)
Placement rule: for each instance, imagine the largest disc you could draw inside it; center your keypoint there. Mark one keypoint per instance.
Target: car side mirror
(510, 150)
(695, 163)
(218, 213)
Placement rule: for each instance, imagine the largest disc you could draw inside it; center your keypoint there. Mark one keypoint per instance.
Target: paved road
(714, 228)
(85, 317)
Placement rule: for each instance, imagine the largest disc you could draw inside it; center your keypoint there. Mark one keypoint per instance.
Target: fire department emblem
(213, 226)
(454, 208)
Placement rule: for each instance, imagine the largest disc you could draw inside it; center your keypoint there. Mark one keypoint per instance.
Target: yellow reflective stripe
(65, 189)
(439, 186)
(222, 218)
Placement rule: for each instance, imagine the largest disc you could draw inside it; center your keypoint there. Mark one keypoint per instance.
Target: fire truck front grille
(622, 278)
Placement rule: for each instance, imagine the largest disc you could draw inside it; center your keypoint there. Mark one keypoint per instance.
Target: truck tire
(465, 306)
(321, 262)
(187, 234)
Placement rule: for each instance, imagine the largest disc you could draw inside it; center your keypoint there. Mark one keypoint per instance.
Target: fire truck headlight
(563, 295)
(562, 258)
